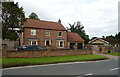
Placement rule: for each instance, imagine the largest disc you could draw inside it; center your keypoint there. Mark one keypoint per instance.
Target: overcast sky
(99, 17)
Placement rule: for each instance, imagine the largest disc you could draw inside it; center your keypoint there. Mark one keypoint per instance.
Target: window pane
(60, 34)
(61, 44)
(33, 43)
(33, 32)
(47, 33)
(47, 43)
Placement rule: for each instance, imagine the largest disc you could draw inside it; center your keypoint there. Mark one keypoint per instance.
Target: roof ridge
(44, 20)
(71, 32)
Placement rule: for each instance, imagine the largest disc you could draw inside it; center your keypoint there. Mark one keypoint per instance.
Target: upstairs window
(47, 33)
(59, 34)
(33, 32)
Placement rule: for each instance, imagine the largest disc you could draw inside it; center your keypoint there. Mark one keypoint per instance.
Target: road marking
(85, 75)
(53, 64)
(89, 74)
(114, 69)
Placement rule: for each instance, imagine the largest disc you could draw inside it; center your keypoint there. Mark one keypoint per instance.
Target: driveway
(109, 56)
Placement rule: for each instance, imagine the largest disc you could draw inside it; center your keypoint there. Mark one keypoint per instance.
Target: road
(105, 67)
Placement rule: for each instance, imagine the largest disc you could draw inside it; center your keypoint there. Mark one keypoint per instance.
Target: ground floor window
(60, 44)
(33, 42)
(47, 42)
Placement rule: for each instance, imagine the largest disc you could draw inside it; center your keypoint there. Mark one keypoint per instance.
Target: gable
(98, 42)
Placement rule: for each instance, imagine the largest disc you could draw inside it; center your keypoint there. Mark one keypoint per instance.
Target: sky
(99, 17)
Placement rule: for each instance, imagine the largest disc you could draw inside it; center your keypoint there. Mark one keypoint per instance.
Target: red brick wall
(30, 54)
(41, 33)
(105, 49)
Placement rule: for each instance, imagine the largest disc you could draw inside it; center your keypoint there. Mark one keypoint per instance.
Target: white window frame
(33, 32)
(58, 43)
(32, 41)
(48, 33)
(58, 34)
(118, 45)
(49, 42)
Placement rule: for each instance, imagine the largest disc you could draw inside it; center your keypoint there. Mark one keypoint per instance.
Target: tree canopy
(78, 28)
(33, 16)
(93, 38)
(117, 36)
(12, 19)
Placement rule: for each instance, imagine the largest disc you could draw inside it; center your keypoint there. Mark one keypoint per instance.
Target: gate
(95, 48)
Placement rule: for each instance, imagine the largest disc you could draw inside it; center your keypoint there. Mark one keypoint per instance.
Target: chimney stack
(59, 21)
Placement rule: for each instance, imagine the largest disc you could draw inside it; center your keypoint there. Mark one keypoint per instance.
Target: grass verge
(12, 62)
(115, 54)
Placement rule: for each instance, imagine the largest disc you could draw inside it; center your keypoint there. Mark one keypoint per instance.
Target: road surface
(105, 67)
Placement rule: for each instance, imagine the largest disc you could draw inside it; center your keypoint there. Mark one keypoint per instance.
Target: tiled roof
(33, 23)
(112, 40)
(107, 40)
(74, 37)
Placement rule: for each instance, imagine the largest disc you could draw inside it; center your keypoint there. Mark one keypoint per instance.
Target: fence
(46, 53)
(11, 44)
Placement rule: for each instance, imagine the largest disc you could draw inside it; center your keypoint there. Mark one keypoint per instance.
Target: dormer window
(59, 34)
(47, 33)
(33, 32)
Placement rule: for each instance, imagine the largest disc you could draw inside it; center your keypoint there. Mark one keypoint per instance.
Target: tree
(117, 36)
(103, 36)
(111, 36)
(72, 27)
(33, 16)
(93, 38)
(12, 19)
(78, 28)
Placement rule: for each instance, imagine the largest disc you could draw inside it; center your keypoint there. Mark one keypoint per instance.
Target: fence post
(48, 48)
(75, 47)
(91, 49)
(4, 50)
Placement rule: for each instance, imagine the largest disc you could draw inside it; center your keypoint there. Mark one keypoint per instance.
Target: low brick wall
(106, 49)
(30, 54)
(46, 53)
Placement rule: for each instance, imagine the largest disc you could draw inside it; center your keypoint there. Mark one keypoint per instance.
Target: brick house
(109, 44)
(74, 39)
(105, 42)
(43, 33)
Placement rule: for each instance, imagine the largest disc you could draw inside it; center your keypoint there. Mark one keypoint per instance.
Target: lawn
(115, 54)
(12, 62)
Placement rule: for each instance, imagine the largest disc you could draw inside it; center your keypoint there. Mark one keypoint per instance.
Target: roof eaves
(44, 28)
